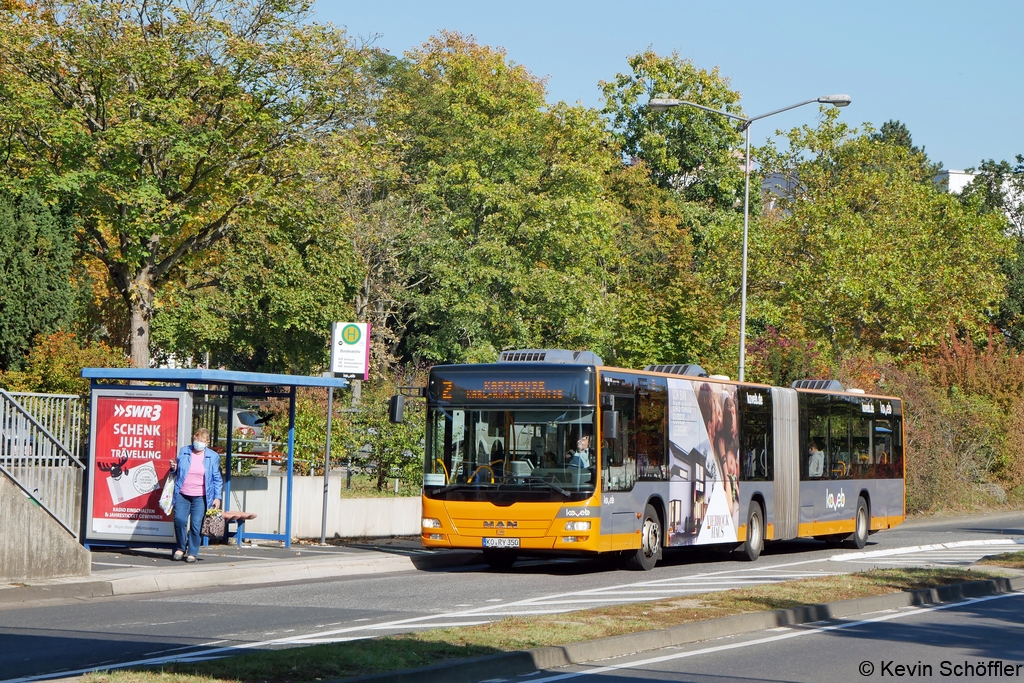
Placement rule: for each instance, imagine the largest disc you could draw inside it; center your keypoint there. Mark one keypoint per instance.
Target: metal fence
(60, 414)
(40, 447)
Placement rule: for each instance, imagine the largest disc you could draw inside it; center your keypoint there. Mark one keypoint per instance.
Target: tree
(166, 123)
(686, 149)
(997, 190)
(895, 132)
(516, 226)
(862, 254)
(36, 292)
(263, 299)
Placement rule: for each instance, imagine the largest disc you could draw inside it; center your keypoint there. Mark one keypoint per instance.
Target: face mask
(198, 446)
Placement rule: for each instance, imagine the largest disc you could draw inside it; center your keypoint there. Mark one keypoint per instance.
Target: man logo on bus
(834, 501)
(350, 334)
(501, 525)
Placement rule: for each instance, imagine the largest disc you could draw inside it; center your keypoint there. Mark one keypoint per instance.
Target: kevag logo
(835, 501)
(135, 410)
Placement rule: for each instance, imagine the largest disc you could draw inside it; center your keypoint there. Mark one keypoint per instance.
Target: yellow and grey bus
(551, 452)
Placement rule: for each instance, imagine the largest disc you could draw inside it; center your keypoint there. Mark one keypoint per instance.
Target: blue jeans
(188, 519)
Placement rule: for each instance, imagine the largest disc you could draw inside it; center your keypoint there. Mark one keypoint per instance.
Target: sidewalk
(151, 570)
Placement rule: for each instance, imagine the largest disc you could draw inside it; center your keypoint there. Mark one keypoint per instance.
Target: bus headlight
(431, 523)
(577, 526)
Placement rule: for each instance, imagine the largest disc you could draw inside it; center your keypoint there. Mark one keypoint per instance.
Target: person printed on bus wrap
(728, 447)
(199, 486)
(710, 405)
(816, 461)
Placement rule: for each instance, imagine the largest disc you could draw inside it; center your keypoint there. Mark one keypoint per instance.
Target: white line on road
(761, 641)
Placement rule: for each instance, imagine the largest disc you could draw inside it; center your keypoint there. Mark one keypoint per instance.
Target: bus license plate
(501, 542)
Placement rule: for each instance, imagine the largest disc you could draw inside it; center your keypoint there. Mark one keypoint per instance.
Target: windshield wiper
(553, 487)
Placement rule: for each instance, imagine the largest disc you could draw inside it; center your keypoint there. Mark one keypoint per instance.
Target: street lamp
(663, 102)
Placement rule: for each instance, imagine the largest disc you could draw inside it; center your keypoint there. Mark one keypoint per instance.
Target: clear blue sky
(949, 70)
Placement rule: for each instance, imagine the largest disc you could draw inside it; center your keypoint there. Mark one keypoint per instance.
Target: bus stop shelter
(221, 383)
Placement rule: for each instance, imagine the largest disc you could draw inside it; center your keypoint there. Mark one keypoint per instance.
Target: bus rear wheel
(649, 551)
(500, 560)
(862, 525)
(752, 547)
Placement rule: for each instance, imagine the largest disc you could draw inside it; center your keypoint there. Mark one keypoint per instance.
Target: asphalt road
(973, 640)
(57, 637)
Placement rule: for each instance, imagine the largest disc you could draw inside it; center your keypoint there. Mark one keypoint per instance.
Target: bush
(55, 361)
(964, 425)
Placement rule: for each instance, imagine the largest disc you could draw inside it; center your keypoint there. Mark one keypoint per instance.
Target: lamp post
(661, 103)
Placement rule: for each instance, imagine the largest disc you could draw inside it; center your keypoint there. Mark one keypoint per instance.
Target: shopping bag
(167, 495)
(213, 525)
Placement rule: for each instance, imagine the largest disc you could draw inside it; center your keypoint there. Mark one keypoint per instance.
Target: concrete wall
(32, 544)
(346, 517)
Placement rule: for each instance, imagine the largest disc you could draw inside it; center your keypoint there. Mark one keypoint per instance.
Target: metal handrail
(40, 464)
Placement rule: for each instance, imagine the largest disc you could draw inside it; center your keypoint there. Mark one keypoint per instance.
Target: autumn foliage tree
(166, 123)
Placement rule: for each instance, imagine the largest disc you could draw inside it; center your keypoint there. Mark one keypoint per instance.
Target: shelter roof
(201, 376)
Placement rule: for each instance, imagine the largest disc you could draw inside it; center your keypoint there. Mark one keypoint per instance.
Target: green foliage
(516, 224)
(863, 254)
(166, 123)
(54, 365)
(36, 292)
(361, 431)
(896, 133)
(687, 149)
(998, 191)
(263, 300)
(393, 450)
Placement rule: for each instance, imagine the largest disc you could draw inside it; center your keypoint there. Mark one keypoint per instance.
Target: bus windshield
(545, 453)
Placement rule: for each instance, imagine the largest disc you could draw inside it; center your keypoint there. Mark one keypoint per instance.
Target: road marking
(906, 550)
(762, 641)
(644, 590)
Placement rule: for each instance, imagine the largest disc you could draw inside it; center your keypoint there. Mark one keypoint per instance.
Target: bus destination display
(483, 387)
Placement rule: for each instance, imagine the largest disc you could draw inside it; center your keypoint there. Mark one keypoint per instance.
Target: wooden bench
(239, 518)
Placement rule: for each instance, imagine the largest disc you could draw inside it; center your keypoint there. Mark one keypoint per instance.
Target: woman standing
(197, 487)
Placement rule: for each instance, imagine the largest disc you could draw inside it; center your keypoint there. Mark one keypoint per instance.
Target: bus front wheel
(647, 554)
(751, 548)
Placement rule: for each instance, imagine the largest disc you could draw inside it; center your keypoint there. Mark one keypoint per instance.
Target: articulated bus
(551, 452)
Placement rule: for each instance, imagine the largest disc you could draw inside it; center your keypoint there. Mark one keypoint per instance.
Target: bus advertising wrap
(134, 437)
(704, 461)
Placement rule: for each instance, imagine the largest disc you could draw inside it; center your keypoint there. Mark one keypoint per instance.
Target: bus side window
(651, 429)
(757, 457)
(817, 433)
(860, 440)
(897, 449)
(839, 439)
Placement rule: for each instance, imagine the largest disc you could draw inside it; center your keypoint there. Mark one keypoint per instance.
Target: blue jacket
(213, 481)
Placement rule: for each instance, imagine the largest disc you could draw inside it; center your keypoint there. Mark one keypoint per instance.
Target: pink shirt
(195, 480)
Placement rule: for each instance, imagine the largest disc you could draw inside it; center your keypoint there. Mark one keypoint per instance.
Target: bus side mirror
(396, 408)
(610, 424)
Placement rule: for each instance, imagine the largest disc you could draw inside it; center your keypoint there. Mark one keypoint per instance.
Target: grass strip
(1014, 560)
(336, 660)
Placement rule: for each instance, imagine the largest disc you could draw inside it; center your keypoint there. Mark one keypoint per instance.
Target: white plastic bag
(167, 495)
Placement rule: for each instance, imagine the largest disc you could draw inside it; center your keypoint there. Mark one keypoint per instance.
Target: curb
(270, 572)
(524, 662)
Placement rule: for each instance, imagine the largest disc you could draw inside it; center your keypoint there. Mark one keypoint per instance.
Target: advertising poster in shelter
(134, 437)
(703, 447)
